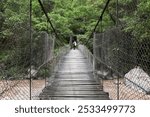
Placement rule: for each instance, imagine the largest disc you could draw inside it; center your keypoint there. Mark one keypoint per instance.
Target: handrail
(99, 61)
(147, 92)
(54, 57)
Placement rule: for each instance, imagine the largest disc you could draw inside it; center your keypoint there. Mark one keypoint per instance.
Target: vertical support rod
(30, 86)
(101, 25)
(102, 55)
(94, 54)
(101, 49)
(117, 15)
(47, 57)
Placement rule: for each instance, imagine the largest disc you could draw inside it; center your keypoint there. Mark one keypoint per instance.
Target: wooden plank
(74, 80)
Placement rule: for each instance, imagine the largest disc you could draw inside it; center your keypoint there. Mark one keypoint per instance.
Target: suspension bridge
(74, 80)
(114, 66)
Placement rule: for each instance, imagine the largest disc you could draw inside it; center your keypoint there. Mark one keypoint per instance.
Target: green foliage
(44, 72)
(4, 56)
(75, 16)
(139, 22)
(69, 17)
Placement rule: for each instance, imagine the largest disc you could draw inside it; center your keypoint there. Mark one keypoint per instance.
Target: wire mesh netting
(14, 58)
(27, 57)
(15, 77)
(122, 57)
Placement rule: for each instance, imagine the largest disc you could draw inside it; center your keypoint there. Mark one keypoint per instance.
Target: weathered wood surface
(74, 80)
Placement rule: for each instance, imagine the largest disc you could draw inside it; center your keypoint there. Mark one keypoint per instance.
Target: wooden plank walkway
(74, 81)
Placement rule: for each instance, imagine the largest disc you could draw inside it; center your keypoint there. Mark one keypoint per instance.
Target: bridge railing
(86, 53)
(117, 66)
(15, 80)
(91, 60)
(117, 85)
(15, 51)
(29, 51)
(121, 51)
(55, 63)
(45, 60)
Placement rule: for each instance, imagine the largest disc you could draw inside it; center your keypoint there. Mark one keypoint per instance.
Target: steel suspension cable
(99, 20)
(49, 21)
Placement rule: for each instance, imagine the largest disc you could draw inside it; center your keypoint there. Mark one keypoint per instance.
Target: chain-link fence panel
(23, 62)
(19, 85)
(116, 56)
(14, 50)
(28, 60)
(122, 52)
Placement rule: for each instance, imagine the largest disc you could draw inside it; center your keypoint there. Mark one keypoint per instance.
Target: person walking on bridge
(74, 45)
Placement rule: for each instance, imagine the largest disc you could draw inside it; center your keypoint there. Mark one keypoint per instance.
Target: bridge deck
(74, 81)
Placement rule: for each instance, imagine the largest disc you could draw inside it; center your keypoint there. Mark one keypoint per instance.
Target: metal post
(101, 42)
(94, 54)
(30, 50)
(117, 15)
(46, 58)
(101, 25)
